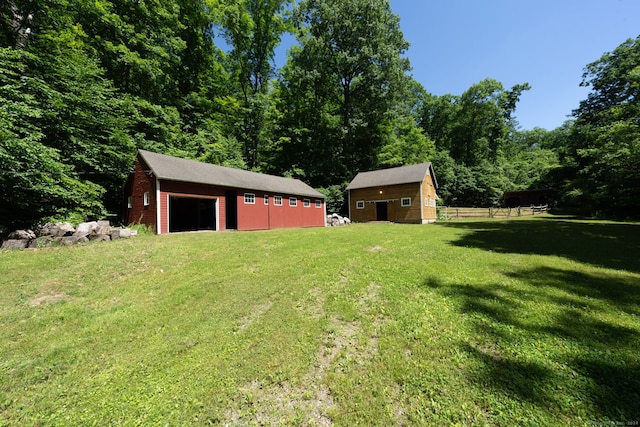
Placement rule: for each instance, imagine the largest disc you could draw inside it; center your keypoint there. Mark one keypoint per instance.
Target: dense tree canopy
(603, 151)
(253, 29)
(85, 84)
(337, 94)
(473, 133)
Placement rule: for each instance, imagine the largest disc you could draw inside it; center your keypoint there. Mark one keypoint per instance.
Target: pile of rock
(63, 233)
(335, 220)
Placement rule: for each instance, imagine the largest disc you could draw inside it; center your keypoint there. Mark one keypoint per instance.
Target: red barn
(170, 194)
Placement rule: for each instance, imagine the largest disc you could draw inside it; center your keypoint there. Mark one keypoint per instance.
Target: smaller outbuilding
(402, 194)
(169, 194)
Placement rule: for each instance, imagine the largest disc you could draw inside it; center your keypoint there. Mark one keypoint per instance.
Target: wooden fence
(453, 212)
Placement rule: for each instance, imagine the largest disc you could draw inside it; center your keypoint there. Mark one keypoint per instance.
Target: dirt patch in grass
(313, 304)
(48, 299)
(309, 401)
(255, 314)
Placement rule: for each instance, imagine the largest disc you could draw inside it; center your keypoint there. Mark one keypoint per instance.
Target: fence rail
(453, 212)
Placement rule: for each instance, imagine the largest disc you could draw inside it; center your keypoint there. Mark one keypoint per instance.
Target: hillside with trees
(83, 85)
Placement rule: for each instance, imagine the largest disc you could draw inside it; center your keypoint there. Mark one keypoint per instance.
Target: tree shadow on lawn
(583, 289)
(609, 245)
(518, 349)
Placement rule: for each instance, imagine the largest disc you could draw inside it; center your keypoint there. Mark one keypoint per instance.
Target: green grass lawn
(520, 322)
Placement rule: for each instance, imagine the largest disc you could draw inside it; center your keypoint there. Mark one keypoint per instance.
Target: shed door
(231, 211)
(381, 211)
(191, 214)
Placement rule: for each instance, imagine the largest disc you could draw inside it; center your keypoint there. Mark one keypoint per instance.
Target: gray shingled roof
(393, 176)
(177, 169)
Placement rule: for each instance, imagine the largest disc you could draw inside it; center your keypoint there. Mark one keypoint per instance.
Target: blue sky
(547, 43)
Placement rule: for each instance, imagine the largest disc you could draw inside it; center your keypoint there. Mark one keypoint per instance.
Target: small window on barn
(129, 205)
(360, 204)
(405, 201)
(306, 203)
(277, 200)
(145, 199)
(293, 201)
(318, 203)
(266, 199)
(426, 202)
(249, 199)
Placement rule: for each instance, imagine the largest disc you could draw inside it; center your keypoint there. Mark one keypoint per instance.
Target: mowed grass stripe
(521, 322)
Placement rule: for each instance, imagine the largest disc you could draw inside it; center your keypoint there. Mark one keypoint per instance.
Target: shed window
(277, 200)
(145, 198)
(249, 199)
(405, 201)
(266, 199)
(306, 203)
(293, 201)
(129, 205)
(360, 204)
(318, 203)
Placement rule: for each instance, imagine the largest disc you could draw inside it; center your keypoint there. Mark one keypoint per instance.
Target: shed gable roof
(184, 170)
(393, 176)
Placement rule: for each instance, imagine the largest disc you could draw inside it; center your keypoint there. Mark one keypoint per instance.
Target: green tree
(404, 142)
(604, 148)
(35, 179)
(339, 89)
(138, 43)
(253, 29)
(474, 126)
(86, 83)
(335, 201)
(55, 89)
(528, 159)
(85, 117)
(162, 56)
(438, 117)
(476, 137)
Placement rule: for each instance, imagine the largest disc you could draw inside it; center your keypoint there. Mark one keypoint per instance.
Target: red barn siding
(252, 216)
(256, 216)
(259, 216)
(188, 189)
(141, 181)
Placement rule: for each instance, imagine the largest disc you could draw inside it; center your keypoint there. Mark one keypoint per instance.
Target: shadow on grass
(524, 380)
(610, 245)
(582, 289)
(559, 345)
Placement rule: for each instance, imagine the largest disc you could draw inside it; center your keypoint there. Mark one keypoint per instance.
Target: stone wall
(335, 220)
(63, 233)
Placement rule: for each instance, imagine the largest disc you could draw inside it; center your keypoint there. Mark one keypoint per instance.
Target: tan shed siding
(361, 215)
(395, 211)
(428, 199)
(410, 213)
